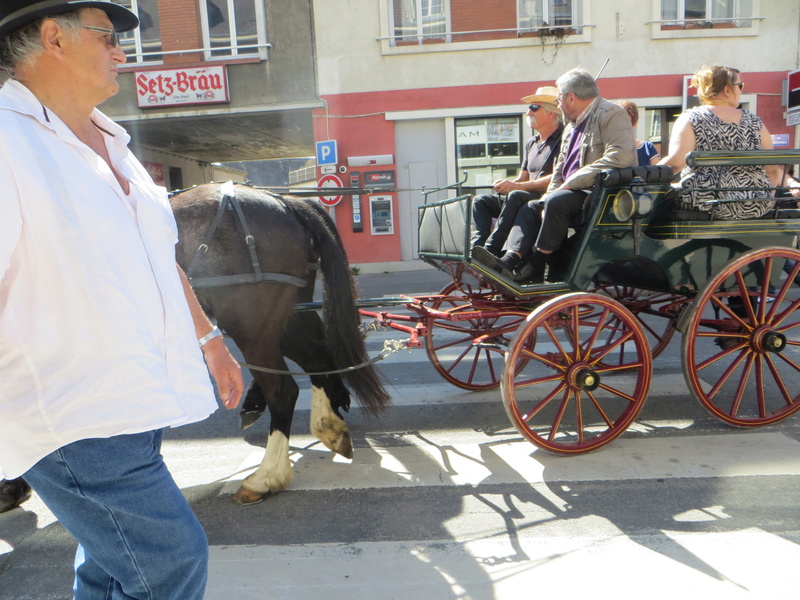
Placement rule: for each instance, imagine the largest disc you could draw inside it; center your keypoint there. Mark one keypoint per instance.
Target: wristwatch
(214, 333)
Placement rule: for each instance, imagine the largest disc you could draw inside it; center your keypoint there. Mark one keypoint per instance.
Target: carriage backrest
(444, 228)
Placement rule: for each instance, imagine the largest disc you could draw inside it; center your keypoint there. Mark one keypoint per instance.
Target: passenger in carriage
(719, 124)
(646, 152)
(541, 150)
(599, 136)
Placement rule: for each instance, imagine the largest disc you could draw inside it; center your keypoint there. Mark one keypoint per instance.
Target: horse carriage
(574, 359)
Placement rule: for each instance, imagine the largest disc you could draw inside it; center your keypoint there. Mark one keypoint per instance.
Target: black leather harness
(229, 202)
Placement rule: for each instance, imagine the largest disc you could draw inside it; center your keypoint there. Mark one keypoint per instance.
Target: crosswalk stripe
(442, 458)
(558, 566)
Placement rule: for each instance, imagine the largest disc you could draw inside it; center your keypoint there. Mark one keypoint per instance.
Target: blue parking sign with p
(326, 153)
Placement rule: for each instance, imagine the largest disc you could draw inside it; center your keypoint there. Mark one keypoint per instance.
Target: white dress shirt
(96, 338)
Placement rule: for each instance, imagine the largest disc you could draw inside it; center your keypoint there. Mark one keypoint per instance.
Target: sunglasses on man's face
(534, 107)
(113, 37)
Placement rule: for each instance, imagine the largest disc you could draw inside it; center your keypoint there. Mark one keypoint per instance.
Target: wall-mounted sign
(370, 161)
(330, 181)
(793, 99)
(379, 179)
(173, 87)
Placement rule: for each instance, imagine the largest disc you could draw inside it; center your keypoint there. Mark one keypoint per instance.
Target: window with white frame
(143, 44)
(233, 28)
(706, 13)
(418, 20)
(535, 14)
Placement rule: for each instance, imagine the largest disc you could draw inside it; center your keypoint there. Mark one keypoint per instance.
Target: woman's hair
(580, 82)
(25, 43)
(631, 109)
(711, 81)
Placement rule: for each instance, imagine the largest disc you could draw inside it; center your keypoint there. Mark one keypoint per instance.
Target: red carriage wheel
(451, 346)
(464, 360)
(741, 347)
(566, 399)
(655, 310)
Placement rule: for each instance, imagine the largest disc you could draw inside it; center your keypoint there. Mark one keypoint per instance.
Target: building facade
(423, 93)
(212, 81)
(402, 96)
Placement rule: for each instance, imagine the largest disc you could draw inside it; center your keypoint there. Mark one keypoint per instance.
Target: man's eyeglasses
(533, 107)
(113, 37)
(740, 85)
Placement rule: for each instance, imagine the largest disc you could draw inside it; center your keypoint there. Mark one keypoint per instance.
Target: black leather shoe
(486, 258)
(526, 273)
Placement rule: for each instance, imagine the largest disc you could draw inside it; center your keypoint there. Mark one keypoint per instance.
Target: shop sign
(175, 87)
(379, 179)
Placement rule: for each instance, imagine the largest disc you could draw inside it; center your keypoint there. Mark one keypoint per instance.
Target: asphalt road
(445, 500)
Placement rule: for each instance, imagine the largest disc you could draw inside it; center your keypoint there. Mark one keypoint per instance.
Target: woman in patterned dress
(719, 124)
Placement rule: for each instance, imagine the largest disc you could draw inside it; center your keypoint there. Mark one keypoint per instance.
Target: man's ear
(52, 36)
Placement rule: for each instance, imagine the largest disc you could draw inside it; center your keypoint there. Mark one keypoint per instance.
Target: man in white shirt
(99, 328)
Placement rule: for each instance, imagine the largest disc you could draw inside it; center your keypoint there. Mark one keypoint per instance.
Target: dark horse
(289, 237)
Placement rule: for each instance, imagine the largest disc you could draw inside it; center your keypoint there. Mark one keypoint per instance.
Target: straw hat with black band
(544, 95)
(16, 13)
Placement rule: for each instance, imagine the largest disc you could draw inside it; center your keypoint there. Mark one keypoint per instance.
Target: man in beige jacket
(599, 136)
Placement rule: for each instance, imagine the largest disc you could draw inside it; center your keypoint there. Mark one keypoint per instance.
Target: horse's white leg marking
(326, 425)
(275, 471)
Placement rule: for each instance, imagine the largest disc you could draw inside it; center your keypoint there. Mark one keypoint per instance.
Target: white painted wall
(351, 58)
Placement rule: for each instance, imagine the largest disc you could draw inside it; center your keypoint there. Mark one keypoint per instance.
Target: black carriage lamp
(633, 204)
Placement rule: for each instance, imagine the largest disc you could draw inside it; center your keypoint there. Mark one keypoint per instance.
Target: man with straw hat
(99, 328)
(541, 151)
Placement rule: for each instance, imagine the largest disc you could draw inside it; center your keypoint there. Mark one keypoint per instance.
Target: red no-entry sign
(330, 181)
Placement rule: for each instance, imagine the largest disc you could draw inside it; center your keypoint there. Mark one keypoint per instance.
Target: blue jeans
(138, 537)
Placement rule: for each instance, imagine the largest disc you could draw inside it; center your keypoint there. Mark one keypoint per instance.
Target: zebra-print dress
(712, 133)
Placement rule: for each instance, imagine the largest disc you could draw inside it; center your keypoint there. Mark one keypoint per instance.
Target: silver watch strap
(209, 336)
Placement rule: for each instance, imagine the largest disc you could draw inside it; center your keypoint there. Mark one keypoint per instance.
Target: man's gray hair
(580, 82)
(25, 43)
(552, 108)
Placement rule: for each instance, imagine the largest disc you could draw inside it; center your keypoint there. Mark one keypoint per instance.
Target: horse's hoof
(248, 418)
(345, 447)
(247, 497)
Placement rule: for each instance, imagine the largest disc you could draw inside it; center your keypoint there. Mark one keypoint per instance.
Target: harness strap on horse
(229, 200)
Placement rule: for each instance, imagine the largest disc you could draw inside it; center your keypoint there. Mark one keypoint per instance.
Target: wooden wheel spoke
(560, 415)
(611, 347)
(720, 355)
(719, 303)
(543, 402)
(727, 374)
(737, 398)
(778, 319)
(609, 423)
(778, 380)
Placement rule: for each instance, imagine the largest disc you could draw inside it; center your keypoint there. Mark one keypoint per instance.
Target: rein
(389, 347)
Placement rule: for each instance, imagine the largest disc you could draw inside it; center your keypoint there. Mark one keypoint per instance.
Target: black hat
(16, 13)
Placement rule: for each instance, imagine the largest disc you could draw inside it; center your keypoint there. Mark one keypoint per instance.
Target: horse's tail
(340, 315)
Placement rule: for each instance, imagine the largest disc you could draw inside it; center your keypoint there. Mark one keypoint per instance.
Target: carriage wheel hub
(583, 377)
(770, 341)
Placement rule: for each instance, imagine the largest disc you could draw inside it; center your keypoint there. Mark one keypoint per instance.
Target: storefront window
(488, 148)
